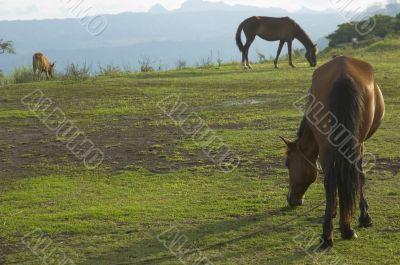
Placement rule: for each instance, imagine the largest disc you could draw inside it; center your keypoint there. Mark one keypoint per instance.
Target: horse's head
(311, 55)
(51, 69)
(302, 173)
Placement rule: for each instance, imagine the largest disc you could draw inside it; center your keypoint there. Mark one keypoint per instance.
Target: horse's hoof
(325, 242)
(293, 66)
(365, 221)
(276, 67)
(349, 234)
(250, 67)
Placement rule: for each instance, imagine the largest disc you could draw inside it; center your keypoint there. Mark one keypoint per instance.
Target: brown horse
(344, 108)
(273, 29)
(41, 65)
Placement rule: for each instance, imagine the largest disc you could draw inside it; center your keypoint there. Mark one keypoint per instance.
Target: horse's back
(339, 68)
(362, 76)
(342, 66)
(276, 28)
(37, 57)
(39, 61)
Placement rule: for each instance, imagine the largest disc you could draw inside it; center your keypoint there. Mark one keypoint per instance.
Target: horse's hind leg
(365, 220)
(345, 224)
(346, 230)
(244, 60)
(279, 53)
(330, 193)
(250, 40)
(334, 210)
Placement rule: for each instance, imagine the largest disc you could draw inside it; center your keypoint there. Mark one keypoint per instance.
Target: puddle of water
(245, 102)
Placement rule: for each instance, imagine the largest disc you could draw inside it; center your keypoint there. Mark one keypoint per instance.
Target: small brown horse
(41, 65)
(344, 108)
(273, 29)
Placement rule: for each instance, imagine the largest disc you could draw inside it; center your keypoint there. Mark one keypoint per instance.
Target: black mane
(302, 127)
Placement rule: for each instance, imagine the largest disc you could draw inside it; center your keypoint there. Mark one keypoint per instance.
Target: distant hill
(157, 9)
(189, 32)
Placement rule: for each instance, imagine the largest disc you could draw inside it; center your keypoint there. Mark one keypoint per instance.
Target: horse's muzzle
(294, 202)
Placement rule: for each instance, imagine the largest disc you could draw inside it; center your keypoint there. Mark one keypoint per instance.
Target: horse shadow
(153, 251)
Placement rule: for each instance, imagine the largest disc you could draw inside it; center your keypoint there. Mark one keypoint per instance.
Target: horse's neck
(308, 144)
(302, 36)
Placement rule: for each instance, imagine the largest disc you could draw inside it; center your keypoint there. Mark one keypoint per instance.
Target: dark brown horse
(273, 29)
(344, 108)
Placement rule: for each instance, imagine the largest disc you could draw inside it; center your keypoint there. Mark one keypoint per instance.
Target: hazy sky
(40, 9)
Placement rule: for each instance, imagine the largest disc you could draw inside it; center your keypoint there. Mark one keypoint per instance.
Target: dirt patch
(28, 148)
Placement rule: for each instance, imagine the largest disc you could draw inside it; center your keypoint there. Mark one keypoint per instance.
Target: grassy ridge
(154, 176)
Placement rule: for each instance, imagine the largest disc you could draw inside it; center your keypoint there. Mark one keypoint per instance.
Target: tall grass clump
(76, 72)
(22, 75)
(110, 70)
(5, 80)
(206, 62)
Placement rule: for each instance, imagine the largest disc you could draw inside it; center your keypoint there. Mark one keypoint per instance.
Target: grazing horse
(273, 29)
(42, 65)
(344, 108)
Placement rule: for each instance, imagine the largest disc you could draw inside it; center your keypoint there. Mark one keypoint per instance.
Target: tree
(6, 47)
(385, 26)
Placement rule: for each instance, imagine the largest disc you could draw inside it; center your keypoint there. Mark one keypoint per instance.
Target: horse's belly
(269, 38)
(270, 34)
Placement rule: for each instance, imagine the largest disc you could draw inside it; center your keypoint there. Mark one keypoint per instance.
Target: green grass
(154, 176)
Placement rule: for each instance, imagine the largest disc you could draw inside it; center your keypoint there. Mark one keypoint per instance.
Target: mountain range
(191, 32)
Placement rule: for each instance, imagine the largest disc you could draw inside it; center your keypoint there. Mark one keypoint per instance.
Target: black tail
(345, 105)
(239, 36)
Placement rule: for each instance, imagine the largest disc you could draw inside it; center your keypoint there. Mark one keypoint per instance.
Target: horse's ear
(52, 65)
(286, 141)
(315, 45)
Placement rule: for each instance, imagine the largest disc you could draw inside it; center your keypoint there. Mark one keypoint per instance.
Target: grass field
(156, 184)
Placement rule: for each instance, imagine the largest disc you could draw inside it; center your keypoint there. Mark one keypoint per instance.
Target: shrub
(145, 64)
(220, 61)
(181, 64)
(299, 53)
(261, 57)
(384, 45)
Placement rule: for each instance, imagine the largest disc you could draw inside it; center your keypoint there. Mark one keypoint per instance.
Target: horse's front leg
(279, 53)
(290, 43)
